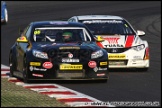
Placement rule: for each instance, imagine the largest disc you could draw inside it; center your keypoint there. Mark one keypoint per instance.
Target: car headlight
(139, 47)
(40, 54)
(97, 54)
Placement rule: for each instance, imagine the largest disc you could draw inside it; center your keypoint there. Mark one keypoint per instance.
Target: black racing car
(57, 50)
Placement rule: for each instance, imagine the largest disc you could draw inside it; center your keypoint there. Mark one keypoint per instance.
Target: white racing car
(124, 46)
(4, 13)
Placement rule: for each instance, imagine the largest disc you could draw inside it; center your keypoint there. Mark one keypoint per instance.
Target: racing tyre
(12, 65)
(25, 71)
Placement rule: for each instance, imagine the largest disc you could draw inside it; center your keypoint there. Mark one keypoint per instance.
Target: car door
(21, 49)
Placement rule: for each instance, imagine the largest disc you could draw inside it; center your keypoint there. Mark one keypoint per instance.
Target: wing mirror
(99, 39)
(140, 33)
(22, 39)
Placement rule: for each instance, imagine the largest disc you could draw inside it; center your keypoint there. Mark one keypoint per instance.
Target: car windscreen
(108, 27)
(58, 34)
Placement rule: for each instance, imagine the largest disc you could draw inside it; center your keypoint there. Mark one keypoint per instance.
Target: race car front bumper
(131, 63)
(36, 71)
(129, 59)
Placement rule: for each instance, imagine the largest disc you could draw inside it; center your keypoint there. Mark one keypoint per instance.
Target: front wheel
(12, 65)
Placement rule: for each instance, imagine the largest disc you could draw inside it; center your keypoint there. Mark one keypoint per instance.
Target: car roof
(83, 17)
(56, 24)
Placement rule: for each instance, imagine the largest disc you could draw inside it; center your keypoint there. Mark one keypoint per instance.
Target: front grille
(118, 62)
(70, 74)
(63, 53)
(116, 50)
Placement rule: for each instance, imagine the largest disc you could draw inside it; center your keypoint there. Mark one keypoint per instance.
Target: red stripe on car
(99, 44)
(129, 40)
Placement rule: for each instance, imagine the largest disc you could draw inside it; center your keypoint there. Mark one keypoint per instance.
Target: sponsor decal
(114, 45)
(37, 32)
(102, 21)
(70, 55)
(36, 69)
(59, 23)
(47, 65)
(54, 44)
(95, 69)
(117, 63)
(22, 38)
(116, 56)
(102, 68)
(35, 63)
(113, 40)
(103, 63)
(37, 75)
(43, 45)
(100, 44)
(114, 50)
(31, 68)
(92, 64)
(70, 67)
(126, 25)
(101, 74)
(137, 57)
(69, 60)
(69, 47)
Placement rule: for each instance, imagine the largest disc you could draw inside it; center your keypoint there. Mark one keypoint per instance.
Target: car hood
(119, 41)
(80, 45)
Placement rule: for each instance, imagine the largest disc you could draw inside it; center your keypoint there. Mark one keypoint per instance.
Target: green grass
(16, 96)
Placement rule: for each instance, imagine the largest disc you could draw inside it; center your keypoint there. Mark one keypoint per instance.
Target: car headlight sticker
(139, 47)
(97, 54)
(40, 54)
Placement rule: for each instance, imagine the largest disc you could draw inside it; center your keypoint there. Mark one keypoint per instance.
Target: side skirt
(18, 74)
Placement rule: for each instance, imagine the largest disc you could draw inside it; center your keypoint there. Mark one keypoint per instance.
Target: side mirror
(140, 33)
(22, 39)
(99, 39)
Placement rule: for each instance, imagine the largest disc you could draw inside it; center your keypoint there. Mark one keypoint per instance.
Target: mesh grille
(116, 50)
(70, 74)
(59, 54)
(118, 62)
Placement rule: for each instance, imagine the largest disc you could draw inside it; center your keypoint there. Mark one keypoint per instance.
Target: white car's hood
(119, 41)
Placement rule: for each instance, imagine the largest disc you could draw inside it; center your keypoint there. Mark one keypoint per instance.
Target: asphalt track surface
(122, 85)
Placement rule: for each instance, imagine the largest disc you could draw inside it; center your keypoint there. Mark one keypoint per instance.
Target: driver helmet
(67, 36)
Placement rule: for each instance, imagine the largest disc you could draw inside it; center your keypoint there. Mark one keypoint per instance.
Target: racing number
(36, 32)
